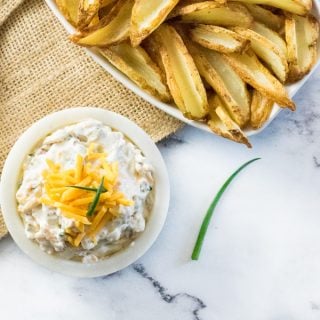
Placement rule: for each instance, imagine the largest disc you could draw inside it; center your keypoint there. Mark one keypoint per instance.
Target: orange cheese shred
(79, 167)
(73, 203)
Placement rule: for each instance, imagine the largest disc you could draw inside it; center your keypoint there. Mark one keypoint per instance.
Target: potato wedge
(147, 16)
(219, 39)
(88, 9)
(115, 29)
(211, 12)
(138, 66)
(300, 7)
(152, 47)
(302, 34)
(183, 78)
(273, 36)
(251, 70)
(265, 16)
(221, 123)
(261, 107)
(70, 9)
(224, 80)
(267, 51)
(190, 6)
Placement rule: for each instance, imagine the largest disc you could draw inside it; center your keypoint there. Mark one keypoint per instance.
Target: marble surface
(261, 257)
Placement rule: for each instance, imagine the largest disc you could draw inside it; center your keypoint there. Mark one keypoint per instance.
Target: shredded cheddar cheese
(73, 203)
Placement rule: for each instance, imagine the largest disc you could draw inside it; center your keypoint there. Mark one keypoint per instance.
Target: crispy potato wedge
(88, 9)
(183, 78)
(115, 28)
(138, 66)
(190, 6)
(302, 34)
(147, 16)
(265, 16)
(222, 124)
(273, 36)
(267, 51)
(261, 107)
(219, 39)
(211, 12)
(300, 7)
(70, 9)
(152, 47)
(251, 70)
(224, 80)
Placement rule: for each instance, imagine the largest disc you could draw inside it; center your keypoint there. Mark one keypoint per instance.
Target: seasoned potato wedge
(273, 36)
(70, 9)
(267, 51)
(211, 12)
(261, 107)
(115, 29)
(301, 7)
(88, 9)
(224, 80)
(190, 6)
(218, 38)
(152, 47)
(302, 34)
(251, 70)
(265, 16)
(183, 78)
(147, 16)
(137, 65)
(221, 123)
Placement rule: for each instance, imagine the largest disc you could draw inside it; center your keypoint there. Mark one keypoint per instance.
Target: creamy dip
(46, 224)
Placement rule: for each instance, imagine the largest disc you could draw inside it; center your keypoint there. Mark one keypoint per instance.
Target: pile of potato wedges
(224, 63)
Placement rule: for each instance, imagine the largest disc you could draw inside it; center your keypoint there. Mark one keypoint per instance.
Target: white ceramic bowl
(170, 109)
(9, 183)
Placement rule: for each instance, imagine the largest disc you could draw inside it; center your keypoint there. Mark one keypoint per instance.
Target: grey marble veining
(261, 256)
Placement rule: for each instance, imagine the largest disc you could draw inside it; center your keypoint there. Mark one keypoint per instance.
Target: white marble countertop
(261, 257)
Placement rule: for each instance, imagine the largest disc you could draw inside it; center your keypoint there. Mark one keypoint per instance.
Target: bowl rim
(11, 172)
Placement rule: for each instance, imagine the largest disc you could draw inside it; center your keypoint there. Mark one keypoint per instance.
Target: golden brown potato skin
(219, 39)
(182, 75)
(301, 7)
(154, 12)
(261, 107)
(302, 34)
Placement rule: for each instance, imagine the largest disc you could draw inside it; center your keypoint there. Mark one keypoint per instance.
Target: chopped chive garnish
(96, 199)
(88, 188)
(209, 214)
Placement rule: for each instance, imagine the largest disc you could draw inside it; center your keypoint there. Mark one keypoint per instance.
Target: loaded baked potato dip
(85, 192)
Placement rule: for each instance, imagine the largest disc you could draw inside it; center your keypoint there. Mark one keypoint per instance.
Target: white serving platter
(168, 108)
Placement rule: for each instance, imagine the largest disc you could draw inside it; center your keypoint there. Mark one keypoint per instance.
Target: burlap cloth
(41, 71)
